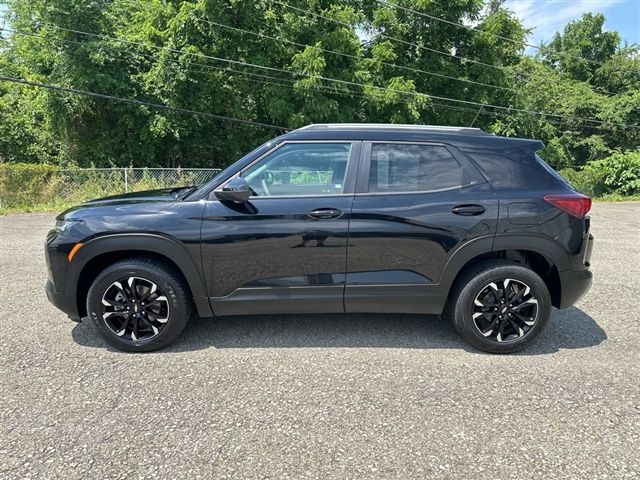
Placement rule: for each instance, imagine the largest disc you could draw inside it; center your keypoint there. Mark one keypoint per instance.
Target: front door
(285, 249)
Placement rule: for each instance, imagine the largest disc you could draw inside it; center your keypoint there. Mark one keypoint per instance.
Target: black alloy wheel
(135, 308)
(499, 306)
(505, 310)
(139, 304)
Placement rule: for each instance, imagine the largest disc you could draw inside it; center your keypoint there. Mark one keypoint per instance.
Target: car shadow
(568, 329)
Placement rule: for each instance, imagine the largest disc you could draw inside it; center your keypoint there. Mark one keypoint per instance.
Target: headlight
(62, 225)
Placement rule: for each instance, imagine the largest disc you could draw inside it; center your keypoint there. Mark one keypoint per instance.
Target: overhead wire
(347, 55)
(417, 46)
(475, 30)
(395, 39)
(278, 80)
(290, 82)
(344, 82)
(87, 93)
(334, 80)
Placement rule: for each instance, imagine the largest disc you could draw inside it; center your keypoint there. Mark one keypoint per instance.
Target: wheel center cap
(504, 309)
(136, 307)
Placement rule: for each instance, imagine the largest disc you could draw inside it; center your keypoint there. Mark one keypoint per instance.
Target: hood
(158, 195)
(133, 198)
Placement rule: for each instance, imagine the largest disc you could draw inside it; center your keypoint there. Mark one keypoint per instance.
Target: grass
(617, 198)
(38, 189)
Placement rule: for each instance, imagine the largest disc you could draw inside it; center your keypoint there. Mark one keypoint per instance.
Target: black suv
(335, 218)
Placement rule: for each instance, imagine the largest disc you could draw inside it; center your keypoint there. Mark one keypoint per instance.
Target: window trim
(362, 188)
(349, 178)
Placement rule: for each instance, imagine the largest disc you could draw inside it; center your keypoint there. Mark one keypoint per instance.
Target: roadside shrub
(35, 187)
(38, 187)
(617, 175)
(589, 183)
(24, 184)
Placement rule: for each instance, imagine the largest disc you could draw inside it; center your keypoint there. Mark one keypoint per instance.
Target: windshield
(206, 187)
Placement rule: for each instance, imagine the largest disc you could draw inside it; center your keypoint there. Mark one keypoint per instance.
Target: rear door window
(412, 168)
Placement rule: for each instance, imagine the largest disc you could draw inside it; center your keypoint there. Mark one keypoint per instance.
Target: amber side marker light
(73, 251)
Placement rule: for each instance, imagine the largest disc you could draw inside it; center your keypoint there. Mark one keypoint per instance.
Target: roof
(463, 137)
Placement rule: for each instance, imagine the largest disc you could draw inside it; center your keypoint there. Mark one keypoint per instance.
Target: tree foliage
(295, 63)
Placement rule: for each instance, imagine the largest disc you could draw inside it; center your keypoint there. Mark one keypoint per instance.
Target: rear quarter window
(552, 172)
(511, 168)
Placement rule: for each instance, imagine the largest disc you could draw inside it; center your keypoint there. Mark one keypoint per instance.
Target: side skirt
(266, 300)
(422, 299)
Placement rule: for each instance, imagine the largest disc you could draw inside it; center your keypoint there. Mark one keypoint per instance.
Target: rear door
(415, 204)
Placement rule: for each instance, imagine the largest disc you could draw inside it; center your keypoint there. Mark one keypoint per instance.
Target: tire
(475, 304)
(120, 290)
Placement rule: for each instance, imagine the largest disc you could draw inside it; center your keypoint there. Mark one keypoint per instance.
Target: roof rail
(393, 126)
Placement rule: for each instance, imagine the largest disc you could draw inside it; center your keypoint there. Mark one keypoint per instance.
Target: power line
(333, 52)
(347, 55)
(344, 82)
(556, 122)
(395, 39)
(136, 102)
(475, 30)
(426, 72)
(345, 92)
(422, 47)
(182, 110)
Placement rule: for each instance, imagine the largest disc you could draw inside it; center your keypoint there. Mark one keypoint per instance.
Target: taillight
(574, 204)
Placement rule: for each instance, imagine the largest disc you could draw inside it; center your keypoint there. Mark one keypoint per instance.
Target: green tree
(296, 63)
(582, 47)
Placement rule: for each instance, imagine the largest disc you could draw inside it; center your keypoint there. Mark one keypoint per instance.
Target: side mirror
(237, 190)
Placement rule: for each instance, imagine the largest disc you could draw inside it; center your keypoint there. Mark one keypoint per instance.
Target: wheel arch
(542, 255)
(98, 253)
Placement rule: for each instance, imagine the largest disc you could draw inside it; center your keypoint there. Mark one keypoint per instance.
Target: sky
(549, 16)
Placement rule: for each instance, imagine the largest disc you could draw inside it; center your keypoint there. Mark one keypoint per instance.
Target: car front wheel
(139, 304)
(499, 306)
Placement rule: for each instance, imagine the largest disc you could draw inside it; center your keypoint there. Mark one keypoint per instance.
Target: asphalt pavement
(322, 396)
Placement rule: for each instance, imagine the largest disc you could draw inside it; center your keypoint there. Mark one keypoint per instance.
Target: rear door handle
(325, 213)
(468, 210)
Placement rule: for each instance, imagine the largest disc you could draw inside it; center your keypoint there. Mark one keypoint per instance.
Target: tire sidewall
(177, 309)
(464, 308)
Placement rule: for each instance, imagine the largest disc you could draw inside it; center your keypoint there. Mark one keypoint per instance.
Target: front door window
(300, 169)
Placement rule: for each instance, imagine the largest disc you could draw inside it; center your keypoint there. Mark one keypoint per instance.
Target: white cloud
(549, 16)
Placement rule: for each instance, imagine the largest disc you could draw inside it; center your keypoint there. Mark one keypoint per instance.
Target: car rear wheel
(139, 304)
(499, 306)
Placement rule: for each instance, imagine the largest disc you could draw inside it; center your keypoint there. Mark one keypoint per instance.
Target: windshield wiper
(183, 192)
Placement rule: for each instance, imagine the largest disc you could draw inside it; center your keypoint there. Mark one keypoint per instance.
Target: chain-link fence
(299, 177)
(35, 187)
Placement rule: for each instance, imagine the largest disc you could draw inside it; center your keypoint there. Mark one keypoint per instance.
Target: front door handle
(468, 210)
(325, 213)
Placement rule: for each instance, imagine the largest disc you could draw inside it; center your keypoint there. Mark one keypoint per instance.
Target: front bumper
(62, 301)
(574, 286)
(55, 288)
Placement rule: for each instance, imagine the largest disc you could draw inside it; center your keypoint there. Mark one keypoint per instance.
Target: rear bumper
(62, 301)
(574, 285)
